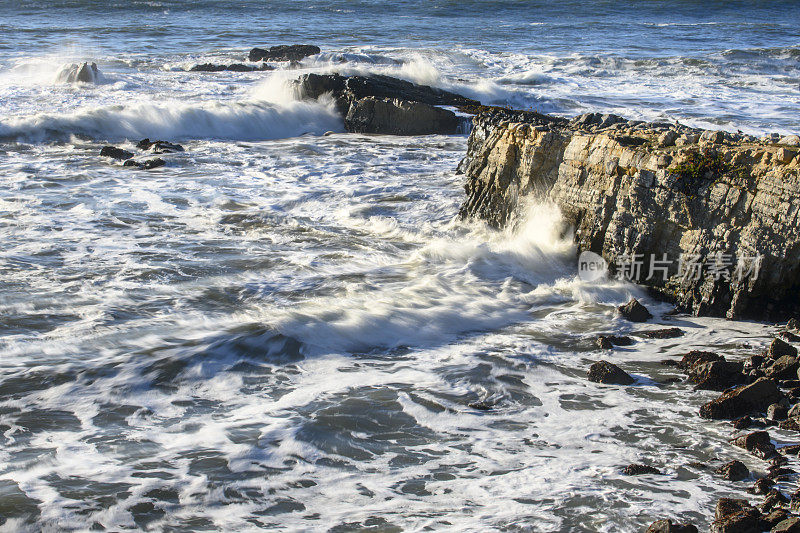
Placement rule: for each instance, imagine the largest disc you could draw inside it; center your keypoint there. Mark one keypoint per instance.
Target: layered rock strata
(638, 190)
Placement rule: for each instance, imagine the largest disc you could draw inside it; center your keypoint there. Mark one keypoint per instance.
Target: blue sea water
(287, 327)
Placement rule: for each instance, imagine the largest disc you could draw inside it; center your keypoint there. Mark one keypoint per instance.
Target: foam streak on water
(285, 329)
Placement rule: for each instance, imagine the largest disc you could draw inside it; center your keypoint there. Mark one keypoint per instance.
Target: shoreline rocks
(386, 105)
(716, 197)
(609, 373)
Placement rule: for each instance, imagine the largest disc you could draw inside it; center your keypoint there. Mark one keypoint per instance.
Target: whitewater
(288, 326)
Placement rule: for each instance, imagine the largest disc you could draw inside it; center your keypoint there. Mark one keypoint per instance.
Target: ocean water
(288, 330)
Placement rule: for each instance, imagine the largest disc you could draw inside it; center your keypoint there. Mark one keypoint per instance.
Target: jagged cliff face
(628, 189)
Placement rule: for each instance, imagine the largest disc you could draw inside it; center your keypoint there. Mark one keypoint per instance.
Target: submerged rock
(399, 117)
(607, 342)
(147, 164)
(634, 311)
(668, 526)
(609, 373)
(292, 52)
(115, 153)
(748, 399)
(235, 67)
(639, 469)
(665, 333)
(159, 147)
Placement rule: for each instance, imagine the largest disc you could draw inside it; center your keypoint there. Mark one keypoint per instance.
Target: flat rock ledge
(630, 187)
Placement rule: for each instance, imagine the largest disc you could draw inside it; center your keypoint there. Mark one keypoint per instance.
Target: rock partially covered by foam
(382, 104)
(78, 73)
(293, 52)
(235, 67)
(609, 373)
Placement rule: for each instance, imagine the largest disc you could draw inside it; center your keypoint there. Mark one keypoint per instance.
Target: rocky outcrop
(400, 117)
(115, 153)
(640, 190)
(609, 373)
(749, 399)
(78, 73)
(292, 52)
(382, 104)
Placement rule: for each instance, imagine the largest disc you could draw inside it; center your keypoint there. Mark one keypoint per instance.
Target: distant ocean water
(285, 330)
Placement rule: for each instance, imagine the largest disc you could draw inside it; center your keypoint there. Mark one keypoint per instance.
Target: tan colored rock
(623, 195)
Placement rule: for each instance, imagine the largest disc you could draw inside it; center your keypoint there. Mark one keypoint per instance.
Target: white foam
(246, 120)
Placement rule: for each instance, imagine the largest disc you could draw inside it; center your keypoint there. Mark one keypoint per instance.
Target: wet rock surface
(115, 153)
(386, 105)
(668, 526)
(634, 311)
(399, 117)
(640, 469)
(292, 52)
(235, 67)
(609, 373)
(713, 196)
(744, 400)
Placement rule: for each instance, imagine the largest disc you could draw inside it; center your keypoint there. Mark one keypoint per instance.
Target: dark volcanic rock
(716, 375)
(752, 398)
(784, 367)
(735, 516)
(293, 52)
(788, 336)
(743, 423)
(733, 471)
(779, 348)
(777, 412)
(147, 164)
(609, 373)
(666, 333)
(638, 470)
(115, 153)
(774, 499)
(697, 357)
(399, 117)
(357, 87)
(761, 486)
(634, 311)
(607, 342)
(159, 147)
(235, 67)
(757, 443)
(667, 526)
(787, 525)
